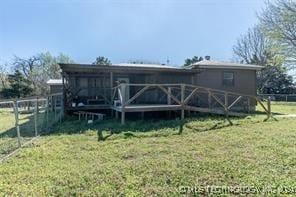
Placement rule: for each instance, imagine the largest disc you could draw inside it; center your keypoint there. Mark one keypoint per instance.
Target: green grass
(280, 107)
(145, 158)
(148, 158)
(8, 140)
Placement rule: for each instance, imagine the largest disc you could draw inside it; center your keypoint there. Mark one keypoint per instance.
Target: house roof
(146, 65)
(123, 67)
(55, 82)
(225, 65)
(128, 67)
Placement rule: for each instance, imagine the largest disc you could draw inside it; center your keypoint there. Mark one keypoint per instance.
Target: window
(228, 78)
(95, 82)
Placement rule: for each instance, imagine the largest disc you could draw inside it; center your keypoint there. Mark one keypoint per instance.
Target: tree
(278, 21)
(50, 64)
(275, 80)
(252, 46)
(102, 61)
(255, 48)
(3, 76)
(192, 60)
(38, 69)
(19, 86)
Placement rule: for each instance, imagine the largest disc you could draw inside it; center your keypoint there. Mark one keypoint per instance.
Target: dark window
(228, 78)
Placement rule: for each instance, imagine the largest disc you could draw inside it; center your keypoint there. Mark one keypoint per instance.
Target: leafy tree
(278, 21)
(275, 80)
(3, 76)
(102, 61)
(50, 64)
(192, 60)
(19, 86)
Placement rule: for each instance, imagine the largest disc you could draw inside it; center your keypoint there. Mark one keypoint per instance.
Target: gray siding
(244, 80)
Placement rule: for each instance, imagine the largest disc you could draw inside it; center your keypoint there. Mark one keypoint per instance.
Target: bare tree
(251, 47)
(279, 24)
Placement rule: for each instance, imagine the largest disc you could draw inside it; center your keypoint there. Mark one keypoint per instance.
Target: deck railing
(185, 96)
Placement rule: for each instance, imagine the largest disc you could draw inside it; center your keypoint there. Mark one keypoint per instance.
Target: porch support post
(123, 117)
(182, 101)
(169, 100)
(209, 100)
(226, 108)
(111, 87)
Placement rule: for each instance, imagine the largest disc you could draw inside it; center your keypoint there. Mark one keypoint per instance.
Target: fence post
(47, 111)
(15, 105)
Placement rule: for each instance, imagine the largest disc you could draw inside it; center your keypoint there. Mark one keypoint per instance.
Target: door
(127, 88)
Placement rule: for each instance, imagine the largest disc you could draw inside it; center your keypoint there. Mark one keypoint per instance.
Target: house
(149, 87)
(55, 86)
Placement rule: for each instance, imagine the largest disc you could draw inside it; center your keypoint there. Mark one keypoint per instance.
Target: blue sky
(124, 30)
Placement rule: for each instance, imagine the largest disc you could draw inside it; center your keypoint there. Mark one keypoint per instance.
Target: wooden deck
(145, 108)
(179, 97)
(88, 107)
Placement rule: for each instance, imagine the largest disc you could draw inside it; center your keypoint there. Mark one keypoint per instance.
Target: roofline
(224, 65)
(231, 67)
(118, 67)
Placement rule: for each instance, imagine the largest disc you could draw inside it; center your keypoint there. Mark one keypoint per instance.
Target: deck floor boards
(143, 108)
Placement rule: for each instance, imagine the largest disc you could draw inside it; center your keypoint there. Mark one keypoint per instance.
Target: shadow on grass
(135, 128)
(27, 125)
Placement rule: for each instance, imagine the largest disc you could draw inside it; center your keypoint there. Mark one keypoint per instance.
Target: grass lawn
(8, 139)
(280, 107)
(151, 157)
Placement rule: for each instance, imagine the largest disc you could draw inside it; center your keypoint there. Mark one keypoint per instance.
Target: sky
(125, 30)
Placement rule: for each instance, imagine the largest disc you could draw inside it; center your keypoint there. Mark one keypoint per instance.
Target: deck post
(169, 101)
(123, 117)
(111, 92)
(226, 108)
(116, 114)
(269, 108)
(182, 100)
(209, 100)
(123, 88)
(111, 87)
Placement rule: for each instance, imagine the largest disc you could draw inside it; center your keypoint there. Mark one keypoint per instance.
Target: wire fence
(279, 97)
(24, 119)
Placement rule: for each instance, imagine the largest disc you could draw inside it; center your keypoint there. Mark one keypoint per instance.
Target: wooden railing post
(169, 100)
(123, 88)
(111, 86)
(269, 107)
(209, 100)
(169, 95)
(226, 108)
(182, 100)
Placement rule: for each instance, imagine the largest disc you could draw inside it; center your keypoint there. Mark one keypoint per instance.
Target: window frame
(225, 79)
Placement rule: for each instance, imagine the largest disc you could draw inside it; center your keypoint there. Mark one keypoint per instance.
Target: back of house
(91, 87)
